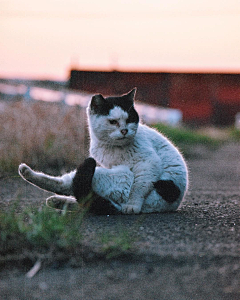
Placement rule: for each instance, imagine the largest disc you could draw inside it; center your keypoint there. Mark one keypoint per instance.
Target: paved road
(190, 254)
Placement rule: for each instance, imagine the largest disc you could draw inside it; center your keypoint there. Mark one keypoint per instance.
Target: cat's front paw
(24, 171)
(130, 209)
(62, 202)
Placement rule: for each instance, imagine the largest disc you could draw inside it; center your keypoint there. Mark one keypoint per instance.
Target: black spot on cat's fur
(82, 181)
(168, 190)
(82, 185)
(101, 206)
(101, 106)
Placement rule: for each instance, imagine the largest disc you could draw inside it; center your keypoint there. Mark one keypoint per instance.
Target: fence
(149, 114)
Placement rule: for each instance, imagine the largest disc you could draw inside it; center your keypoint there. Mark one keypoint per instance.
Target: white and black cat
(140, 169)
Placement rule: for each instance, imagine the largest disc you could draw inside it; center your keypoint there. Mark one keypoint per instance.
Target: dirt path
(191, 254)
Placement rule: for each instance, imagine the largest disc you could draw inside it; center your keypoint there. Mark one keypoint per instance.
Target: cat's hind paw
(129, 209)
(24, 171)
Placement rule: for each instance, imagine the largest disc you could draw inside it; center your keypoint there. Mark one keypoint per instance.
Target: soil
(193, 253)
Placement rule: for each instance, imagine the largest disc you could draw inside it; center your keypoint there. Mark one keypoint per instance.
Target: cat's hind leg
(61, 185)
(168, 190)
(109, 187)
(113, 185)
(155, 203)
(83, 181)
(76, 183)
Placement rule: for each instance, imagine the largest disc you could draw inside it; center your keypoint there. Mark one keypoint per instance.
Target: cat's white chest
(113, 156)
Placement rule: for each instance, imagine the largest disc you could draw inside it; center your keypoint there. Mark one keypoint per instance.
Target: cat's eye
(113, 122)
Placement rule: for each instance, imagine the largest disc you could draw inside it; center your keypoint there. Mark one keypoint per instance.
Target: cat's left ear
(97, 101)
(131, 94)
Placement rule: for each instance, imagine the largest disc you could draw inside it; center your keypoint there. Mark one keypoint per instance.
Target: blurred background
(43, 39)
(183, 56)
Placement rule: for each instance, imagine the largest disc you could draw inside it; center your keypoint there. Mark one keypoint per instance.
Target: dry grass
(47, 136)
(53, 137)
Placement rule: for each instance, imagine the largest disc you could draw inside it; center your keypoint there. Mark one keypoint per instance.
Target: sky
(43, 39)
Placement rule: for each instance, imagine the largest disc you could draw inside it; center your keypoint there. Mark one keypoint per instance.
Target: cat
(140, 170)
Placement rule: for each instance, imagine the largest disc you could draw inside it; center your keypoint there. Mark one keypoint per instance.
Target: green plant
(116, 245)
(47, 228)
(235, 134)
(40, 229)
(185, 136)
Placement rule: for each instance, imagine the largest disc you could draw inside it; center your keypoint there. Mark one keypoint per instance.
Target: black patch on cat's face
(101, 106)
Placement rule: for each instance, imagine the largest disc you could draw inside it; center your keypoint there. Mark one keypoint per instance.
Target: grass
(45, 233)
(39, 229)
(186, 139)
(114, 246)
(184, 136)
(235, 134)
(47, 136)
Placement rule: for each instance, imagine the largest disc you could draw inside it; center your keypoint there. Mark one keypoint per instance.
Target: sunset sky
(44, 38)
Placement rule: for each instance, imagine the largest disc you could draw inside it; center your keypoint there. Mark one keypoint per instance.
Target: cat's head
(113, 120)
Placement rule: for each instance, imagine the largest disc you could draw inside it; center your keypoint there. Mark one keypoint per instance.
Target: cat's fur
(141, 171)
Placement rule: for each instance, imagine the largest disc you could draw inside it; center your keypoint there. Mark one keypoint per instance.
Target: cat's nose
(124, 131)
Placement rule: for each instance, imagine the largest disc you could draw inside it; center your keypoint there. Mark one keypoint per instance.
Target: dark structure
(202, 97)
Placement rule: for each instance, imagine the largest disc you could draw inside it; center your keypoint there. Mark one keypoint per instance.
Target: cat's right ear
(96, 102)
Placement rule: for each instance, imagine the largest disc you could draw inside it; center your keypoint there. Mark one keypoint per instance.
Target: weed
(185, 136)
(235, 134)
(42, 229)
(43, 135)
(186, 139)
(116, 245)
(47, 228)
(46, 233)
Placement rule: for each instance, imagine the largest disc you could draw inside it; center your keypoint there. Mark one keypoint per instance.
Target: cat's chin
(121, 141)
(121, 138)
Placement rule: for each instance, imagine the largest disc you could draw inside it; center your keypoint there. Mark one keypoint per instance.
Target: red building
(202, 97)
